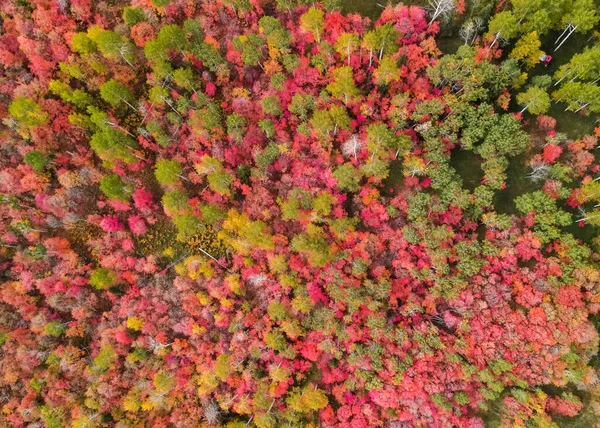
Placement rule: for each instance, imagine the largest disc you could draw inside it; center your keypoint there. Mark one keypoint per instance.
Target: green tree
(111, 145)
(103, 278)
(387, 71)
(548, 218)
(271, 105)
(322, 122)
(251, 47)
(185, 78)
(312, 21)
(113, 46)
(343, 84)
(176, 202)
(382, 39)
(301, 105)
(503, 26)
(220, 182)
(37, 160)
(348, 178)
(105, 358)
(346, 44)
(115, 188)
(187, 225)
(115, 93)
(308, 399)
(82, 44)
(580, 17)
(535, 99)
(172, 37)
(133, 15)
(55, 329)
(168, 172)
(339, 117)
(27, 112)
(579, 96)
(314, 245)
(208, 54)
(584, 66)
(380, 138)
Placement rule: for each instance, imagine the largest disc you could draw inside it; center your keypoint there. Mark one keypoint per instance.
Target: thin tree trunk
(566, 38)
(126, 102)
(495, 40)
(348, 53)
(562, 34)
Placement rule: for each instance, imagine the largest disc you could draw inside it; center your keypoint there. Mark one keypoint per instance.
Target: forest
(287, 213)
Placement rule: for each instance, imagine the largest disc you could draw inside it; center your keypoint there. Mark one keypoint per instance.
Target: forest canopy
(270, 213)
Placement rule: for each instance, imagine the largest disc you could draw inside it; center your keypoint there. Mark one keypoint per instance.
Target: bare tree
(539, 172)
(441, 8)
(470, 30)
(352, 146)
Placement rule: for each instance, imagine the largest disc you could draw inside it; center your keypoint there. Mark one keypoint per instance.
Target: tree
(579, 96)
(346, 44)
(115, 93)
(37, 160)
(114, 46)
(103, 278)
(312, 21)
(251, 47)
(322, 122)
(112, 145)
(380, 138)
(27, 112)
(271, 105)
(527, 49)
(172, 37)
(583, 66)
(348, 178)
(187, 225)
(581, 17)
(548, 217)
(314, 245)
(503, 26)
(133, 15)
(310, 398)
(383, 39)
(115, 188)
(441, 8)
(82, 44)
(387, 71)
(470, 30)
(343, 84)
(168, 171)
(339, 118)
(175, 203)
(535, 99)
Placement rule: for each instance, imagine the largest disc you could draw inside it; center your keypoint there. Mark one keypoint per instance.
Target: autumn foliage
(241, 213)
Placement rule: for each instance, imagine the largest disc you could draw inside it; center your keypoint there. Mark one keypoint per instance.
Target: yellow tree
(527, 49)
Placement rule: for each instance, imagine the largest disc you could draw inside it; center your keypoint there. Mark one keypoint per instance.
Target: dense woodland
(250, 213)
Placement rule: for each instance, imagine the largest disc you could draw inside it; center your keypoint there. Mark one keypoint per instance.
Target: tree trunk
(348, 50)
(136, 110)
(566, 38)
(495, 40)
